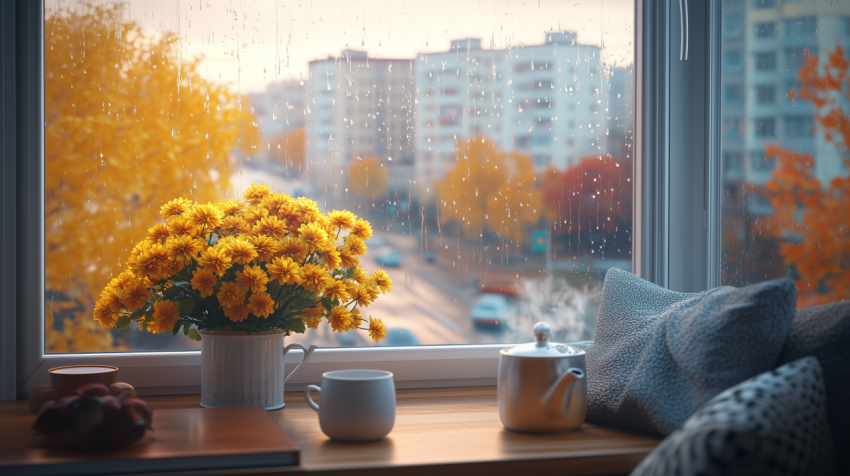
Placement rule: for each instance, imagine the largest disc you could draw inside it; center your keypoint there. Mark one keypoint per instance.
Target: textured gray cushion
(824, 332)
(658, 354)
(774, 423)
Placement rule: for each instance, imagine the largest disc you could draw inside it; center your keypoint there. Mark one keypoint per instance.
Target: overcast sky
(252, 43)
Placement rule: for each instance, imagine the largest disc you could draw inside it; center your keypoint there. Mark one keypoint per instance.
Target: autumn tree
(818, 215)
(367, 178)
(491, 190)
(128, 126)
(591, 200)
(289, 148)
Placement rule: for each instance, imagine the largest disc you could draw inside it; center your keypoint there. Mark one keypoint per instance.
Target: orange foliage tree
(291, 149)
(591, 197)
(819, 215)
(128, 126)
(490, 190)
(367, 178)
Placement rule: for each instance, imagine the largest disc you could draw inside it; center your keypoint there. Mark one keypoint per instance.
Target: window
(733, 165)
(189, 111)
(732, 26)
(760, 4)
(732, 95)
(769, 226)
(765, 127)
(765, 29)
(765, 61)
(766, 94)
(732, 61)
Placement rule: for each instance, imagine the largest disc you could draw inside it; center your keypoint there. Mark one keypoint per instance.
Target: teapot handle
(307, 353)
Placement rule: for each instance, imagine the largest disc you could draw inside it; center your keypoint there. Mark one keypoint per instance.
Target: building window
(799, 126)
(759, 4)
(733, 163)
(796, 57)
(765, 29)
(765, 61)
(766, 94)
(732, 26)
(732, 95)
(732, 61)
(765, 127)
(801, 26)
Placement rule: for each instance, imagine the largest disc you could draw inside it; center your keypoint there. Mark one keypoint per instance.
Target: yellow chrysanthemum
(183, 247)
(270, 225)
(241, 251)
(354, 244)
(175, 207)
(110, 299)
(330, 257)
(376, 329)
(314, 278)
(158, 233)
(361, 276)
(305, 206)
(215, 260)
(165, 315)
(203, 281)
(171, 267)
(373, 292)
(119, 281)
(356, 318)
(342, 219)
(292, 248)
(237, 313)
(284, 270)
(261, 304)
(254, 214)
(205, 216)
(381, 279)
(348, 260)
(104, 315)
(252, 278)
(313, 235)
(361, 228)
(276, 202)
(336, 290)
(181, 226)
(266, 246)
(256, 192)
(340, 319)
(233, 225)
(231, 208)
(231, 294)
(361, 295)
(149, 262)
(134, 295)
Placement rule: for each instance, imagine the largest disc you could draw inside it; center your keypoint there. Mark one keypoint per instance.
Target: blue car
(399, 336)
(389, 259)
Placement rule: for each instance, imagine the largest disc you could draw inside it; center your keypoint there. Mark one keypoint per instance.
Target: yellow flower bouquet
(270, 263)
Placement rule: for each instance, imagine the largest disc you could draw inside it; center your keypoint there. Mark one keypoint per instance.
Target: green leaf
(186, 328)
(139, 313)
(350, 273)
(172, 292)
(123, 322)
(328, 303)
(176, 328)
(193, 334)
(186, 307)
(296, 325)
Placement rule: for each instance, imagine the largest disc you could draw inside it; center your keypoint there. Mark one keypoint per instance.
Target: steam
(571, 312)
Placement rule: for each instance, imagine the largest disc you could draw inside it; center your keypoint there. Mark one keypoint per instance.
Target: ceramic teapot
(542, 386)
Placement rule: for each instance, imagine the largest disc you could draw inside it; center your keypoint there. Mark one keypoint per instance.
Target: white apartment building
(279, 110)
(359, 107)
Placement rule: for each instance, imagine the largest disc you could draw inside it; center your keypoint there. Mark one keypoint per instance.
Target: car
(490, 310)
(389, 259)
(430, 257)
(400, 336)
(375, 243)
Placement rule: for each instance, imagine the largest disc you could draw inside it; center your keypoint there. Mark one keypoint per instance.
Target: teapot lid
(542, 347)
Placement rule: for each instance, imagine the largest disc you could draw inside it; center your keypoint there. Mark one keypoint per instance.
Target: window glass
(489, 146)
(783, 210)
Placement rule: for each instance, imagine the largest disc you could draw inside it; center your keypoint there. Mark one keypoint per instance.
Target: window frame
(662, 128)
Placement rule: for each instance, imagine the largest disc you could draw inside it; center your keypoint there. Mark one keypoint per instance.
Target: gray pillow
(660, 354)
(824, 332)
(774, 423)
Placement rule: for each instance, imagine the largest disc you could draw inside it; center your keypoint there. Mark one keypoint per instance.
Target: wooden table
(439, 431)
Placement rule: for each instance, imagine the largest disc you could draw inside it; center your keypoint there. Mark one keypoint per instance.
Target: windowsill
(450, 430)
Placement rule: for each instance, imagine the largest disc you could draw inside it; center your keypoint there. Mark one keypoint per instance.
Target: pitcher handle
(307, 353)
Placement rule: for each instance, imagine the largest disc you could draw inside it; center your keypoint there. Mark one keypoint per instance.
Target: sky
(250, 44)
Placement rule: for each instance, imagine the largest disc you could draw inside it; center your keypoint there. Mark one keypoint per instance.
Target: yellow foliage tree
(290, 149)
(367, 178)
(128, 125)
(490, 189)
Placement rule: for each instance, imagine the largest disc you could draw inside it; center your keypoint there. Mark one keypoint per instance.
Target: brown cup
(66, 380)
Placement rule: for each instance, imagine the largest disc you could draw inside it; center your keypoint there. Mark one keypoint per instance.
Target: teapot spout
(556, 400)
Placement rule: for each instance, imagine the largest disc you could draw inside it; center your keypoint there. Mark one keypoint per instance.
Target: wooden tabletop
(449, 430)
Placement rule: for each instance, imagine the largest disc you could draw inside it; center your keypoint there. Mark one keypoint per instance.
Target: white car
(490, 310)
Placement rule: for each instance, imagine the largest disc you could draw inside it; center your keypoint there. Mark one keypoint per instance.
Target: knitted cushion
(660, 354)
(774, 423)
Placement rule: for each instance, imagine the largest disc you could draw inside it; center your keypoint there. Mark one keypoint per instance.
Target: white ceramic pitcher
(245, 370)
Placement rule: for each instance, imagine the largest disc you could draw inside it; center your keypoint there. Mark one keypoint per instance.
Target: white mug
(356, 405)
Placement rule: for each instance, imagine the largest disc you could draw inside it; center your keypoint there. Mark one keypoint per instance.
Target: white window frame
(666, 131)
